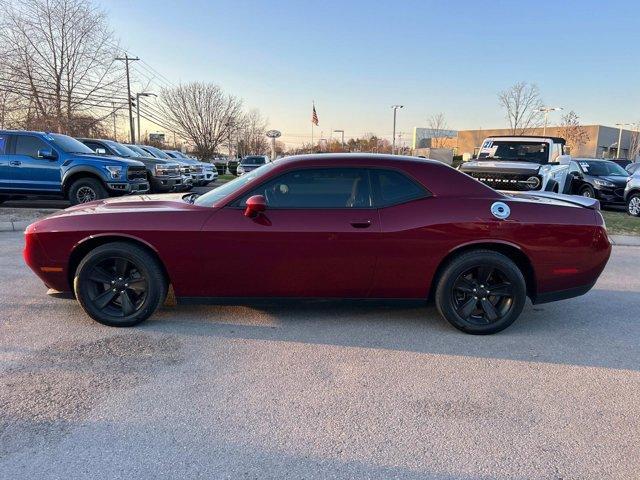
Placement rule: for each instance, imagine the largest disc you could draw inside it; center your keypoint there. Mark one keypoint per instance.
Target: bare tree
(59, 55)
(522, 103)
(634, 144)
(251, 139)
(571, 130)
(202, 114)
(438, 130)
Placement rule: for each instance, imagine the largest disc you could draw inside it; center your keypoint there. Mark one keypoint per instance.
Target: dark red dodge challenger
(345, 226)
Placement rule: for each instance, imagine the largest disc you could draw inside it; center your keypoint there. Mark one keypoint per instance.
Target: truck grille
(136, 173)
(507, 181)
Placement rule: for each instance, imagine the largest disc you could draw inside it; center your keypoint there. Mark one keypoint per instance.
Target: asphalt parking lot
(319, 390)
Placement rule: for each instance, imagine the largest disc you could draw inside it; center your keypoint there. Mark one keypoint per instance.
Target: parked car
(189, 174)
(163, 176)
(521, 163)
(339, 226)
(632, 194)
(601, 179)
(632, 168)
(54, 165)
(206, 172)
(623, 162)
(251, 162)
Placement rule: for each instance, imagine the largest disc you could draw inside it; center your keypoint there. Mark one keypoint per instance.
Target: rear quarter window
(391, 187)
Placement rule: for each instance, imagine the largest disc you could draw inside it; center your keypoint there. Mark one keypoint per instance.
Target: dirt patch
(24, 214)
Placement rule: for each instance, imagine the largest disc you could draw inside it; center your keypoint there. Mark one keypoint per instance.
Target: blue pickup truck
(55, 165)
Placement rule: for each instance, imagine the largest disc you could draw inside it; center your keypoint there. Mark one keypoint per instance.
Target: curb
(625, 240)
(14, 226)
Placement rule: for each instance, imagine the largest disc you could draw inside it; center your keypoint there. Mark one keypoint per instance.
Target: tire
(104, 284)
(472, 310)
(86, 190)
(551, 186)
(633, 205)
(588, 192)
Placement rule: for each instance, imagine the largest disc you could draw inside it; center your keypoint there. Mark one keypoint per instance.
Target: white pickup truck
(521, 163)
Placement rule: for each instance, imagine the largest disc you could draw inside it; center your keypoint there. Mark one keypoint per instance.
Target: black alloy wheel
(119, 284)
(481, 292)
(86, 190)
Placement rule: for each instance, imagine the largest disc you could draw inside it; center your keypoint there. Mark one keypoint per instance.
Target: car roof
(358, 158)
(528, 137)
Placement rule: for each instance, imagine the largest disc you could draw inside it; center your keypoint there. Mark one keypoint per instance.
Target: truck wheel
(587, 191)
(119, 284)
(633, 205)
(86, 190)
(481, 292)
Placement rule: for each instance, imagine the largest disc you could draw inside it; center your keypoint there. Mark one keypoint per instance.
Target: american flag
(314, 117)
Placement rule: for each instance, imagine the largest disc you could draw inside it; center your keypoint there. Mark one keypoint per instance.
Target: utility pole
(342, 132)
(138, 95)
(393, 144)
(621, 126)
(126, 59)
(546, 111)
(115, 132)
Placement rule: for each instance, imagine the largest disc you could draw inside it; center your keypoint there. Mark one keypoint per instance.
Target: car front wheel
(481, 292)
(119, 284)
(633, 205)
(588, 192)
(86, 190)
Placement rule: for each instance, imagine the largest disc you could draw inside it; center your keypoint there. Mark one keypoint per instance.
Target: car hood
(616, 180)
(502, 166)
(110, 160)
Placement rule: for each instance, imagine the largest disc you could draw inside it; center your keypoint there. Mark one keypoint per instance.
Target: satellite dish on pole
(273, 134)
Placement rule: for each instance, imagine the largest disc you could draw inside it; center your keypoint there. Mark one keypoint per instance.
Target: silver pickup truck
(521, 163)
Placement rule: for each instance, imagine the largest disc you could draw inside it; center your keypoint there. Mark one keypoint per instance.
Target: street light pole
(620, 125)
(546, 111)
(393, 143)
(342, 132)
(138, 95)
(126, 59)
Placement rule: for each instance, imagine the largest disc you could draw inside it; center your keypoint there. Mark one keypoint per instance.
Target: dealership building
(602, 140)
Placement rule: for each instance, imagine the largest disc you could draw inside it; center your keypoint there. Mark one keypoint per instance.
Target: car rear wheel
(588, 192)
(633, 205)
(119, 284)
(481, 292)
(86, 190)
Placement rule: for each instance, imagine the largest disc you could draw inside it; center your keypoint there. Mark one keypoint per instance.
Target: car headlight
(114, 170)
(602, 183)
(161, 169)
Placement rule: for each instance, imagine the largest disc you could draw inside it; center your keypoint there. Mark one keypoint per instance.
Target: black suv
(601, 179)
(164, 176)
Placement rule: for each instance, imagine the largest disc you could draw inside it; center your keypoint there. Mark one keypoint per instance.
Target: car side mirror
(255, 205)
(47, 153)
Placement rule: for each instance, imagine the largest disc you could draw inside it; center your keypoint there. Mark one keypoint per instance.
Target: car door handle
(361, 223)
(15, 163)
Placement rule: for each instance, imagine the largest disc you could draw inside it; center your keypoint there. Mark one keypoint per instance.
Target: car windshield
(253, 161)
(138, 151)
(534, 152)
(602, 169)
(121, 149)
(214, 196)
(156, 152)
(68, 144)
(177, 154)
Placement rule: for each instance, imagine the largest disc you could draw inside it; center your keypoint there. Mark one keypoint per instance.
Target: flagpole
(313, 106)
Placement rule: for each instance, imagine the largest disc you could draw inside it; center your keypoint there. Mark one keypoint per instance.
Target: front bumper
(165, 183)
(128, 187)
(610, 195)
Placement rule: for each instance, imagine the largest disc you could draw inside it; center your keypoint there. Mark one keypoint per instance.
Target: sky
(357, 58)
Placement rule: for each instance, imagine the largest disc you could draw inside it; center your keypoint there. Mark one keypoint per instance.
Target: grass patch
(619, 223)
(226, 177)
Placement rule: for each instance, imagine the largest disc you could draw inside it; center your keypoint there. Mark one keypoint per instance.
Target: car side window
(573, 168)
(391, 187)
(4, 140)
(93, 146)
(29, 145)
(317, 188)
